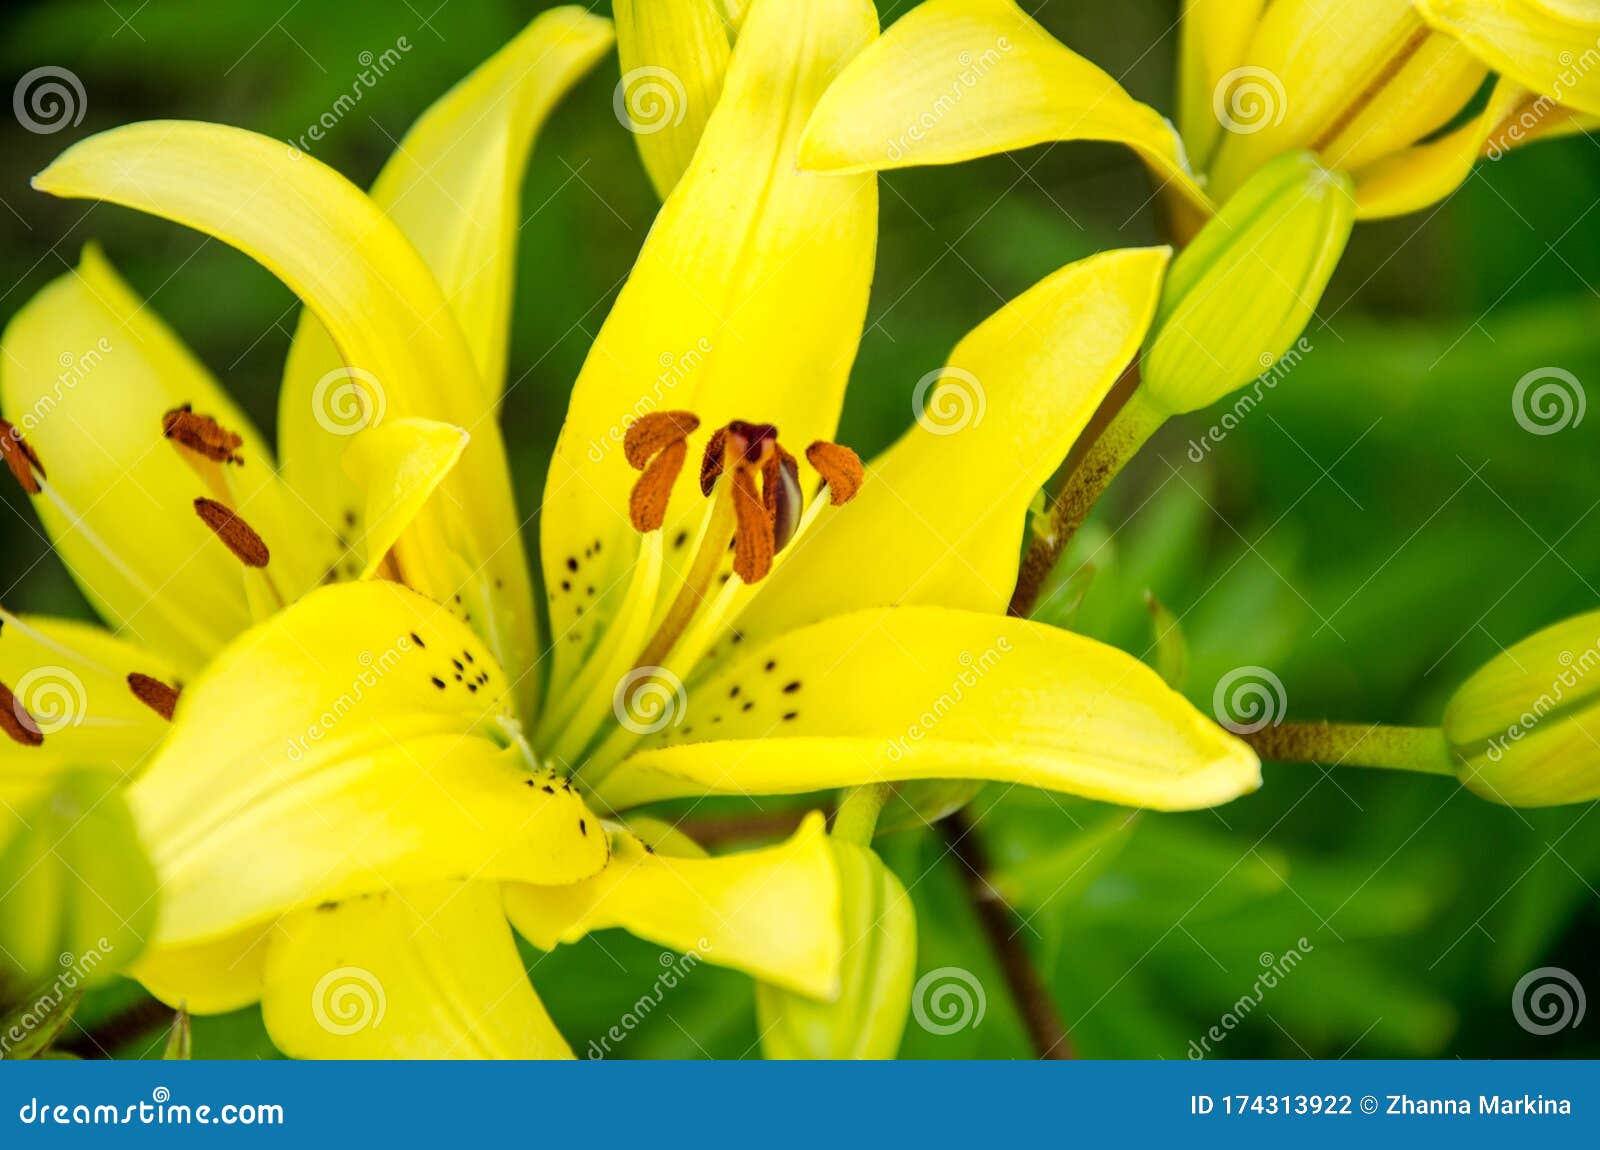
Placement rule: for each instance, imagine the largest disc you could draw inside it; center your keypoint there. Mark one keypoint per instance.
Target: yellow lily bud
(674, 57)
(869, 1016)
(1238, 297)
(1525, 730)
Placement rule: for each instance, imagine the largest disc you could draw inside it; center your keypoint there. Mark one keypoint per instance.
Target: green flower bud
(869, 1016)
(1238, 297)
(1525, 730)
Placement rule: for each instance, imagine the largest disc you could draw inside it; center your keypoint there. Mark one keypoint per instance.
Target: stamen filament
(692, 592)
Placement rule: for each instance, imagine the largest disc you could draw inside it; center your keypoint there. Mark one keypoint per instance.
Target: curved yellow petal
(1212, 40)
(88, 373)
(1417, 177)
(674, 56)
(708, 321)
(398, 467)
(1550, 46)
(209, 977)
(926, 692)
(428, 971)
(399, 344)
(68, 689)
(773, 913)
(346, 746)
(956, 79)
(940, 517)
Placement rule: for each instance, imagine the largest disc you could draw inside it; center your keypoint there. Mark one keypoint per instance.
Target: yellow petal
(429, 971)
(398, 467)
(956, 79)
(708, 321)
(674, 56)
(71, 680)
(1311, 66)
(209, 977)
(337, 750)
(926, 692)
(1414, 178)
(1550, 46)
(89, 371)
(772, 912)
(941, 515)
(396, 336)
(1213, 37)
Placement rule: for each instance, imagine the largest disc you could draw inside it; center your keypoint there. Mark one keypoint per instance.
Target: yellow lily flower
(358, 791)
(1381, 89)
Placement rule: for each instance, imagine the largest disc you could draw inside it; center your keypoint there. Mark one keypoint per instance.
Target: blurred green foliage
(1374, 529)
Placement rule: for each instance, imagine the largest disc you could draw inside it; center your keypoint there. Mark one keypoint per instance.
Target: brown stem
(721, 830)
(1421, 749)
(1106, 455)
(1003, 929)
(124, 1026)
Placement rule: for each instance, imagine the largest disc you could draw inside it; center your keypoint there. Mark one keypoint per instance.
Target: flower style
(1382, 89)
(359, 791)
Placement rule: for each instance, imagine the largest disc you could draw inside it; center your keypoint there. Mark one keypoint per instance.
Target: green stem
(1127, 432)
(857, 816)
(1420, 749)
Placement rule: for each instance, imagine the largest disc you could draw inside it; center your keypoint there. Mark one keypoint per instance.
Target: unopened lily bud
(1238, 297)
(1525, 730)
(869, 1016)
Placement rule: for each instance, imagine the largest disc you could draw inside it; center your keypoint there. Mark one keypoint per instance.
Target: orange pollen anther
(16, 722)
(840, 469)
(202, 435)
(153, 693)
(656, 444)
(20, 458)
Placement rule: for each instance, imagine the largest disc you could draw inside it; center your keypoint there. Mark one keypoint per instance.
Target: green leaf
(180, 1042)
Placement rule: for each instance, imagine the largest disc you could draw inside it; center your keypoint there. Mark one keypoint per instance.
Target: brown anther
(647, 504)
(202, 435)
(20, 458)
(711, 461)
(16, 722)
(753, 540)
(238, 535)
(655, 432)
(781, 495)
(840, 469)
(153, 693)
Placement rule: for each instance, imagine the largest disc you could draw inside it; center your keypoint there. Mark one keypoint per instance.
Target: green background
(1373, 531)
